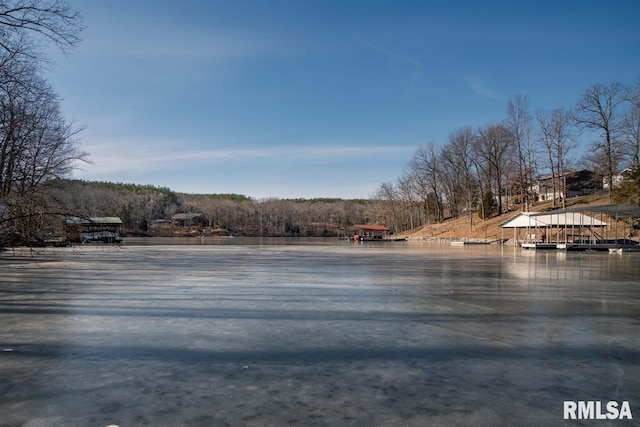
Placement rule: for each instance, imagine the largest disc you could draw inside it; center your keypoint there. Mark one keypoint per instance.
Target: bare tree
(494, 145)
(406, 190)
(420, 187)
(519, 123)
(546, 135)
(556, 134)
(53, 20)
(427, 168)
(36, 144)
(599, 110)
(458, 154)
(387, 205)
(452, 187)
(631, 128)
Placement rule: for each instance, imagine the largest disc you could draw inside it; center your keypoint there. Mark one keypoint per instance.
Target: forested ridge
(140, 205)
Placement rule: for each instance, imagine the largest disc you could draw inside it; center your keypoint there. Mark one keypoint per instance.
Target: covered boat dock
(370, 232)
(95, 229)
(577, 228)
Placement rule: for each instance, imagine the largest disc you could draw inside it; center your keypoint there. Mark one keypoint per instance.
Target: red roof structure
(372, 227)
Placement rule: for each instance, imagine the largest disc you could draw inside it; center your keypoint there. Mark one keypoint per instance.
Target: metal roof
(524, 219)
(572, 216)
(96, 220)
(552, 219)
(613, 210)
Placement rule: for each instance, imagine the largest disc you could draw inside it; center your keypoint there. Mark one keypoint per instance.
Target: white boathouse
(578, 228)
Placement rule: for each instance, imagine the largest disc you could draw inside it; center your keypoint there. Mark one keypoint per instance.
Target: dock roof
(576, 215)
(96, 220)
(614, 210)
(372, 227)
(552, 219)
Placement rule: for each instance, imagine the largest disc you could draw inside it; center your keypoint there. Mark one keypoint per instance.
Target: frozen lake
(314, 332)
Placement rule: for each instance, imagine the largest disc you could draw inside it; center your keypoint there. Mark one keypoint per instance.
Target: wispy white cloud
(480, 87)
(141, 157)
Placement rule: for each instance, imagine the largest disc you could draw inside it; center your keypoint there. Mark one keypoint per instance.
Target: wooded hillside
(140, 205)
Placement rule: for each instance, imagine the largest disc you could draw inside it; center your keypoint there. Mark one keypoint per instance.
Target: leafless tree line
(138, 207)
(491, 169)
(281, 217)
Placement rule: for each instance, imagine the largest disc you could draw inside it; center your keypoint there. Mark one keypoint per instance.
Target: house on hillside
(617, 179)
(190, 219)
(575, 183)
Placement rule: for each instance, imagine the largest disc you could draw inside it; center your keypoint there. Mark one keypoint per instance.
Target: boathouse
(370, 231)
(578, 228)
(94, 229)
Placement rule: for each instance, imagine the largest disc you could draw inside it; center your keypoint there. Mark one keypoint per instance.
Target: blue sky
(318, 98)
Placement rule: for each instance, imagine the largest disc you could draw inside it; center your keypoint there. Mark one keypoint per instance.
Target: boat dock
(578, 229)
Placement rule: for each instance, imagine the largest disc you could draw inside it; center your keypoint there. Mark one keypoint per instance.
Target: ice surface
(297, 332)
